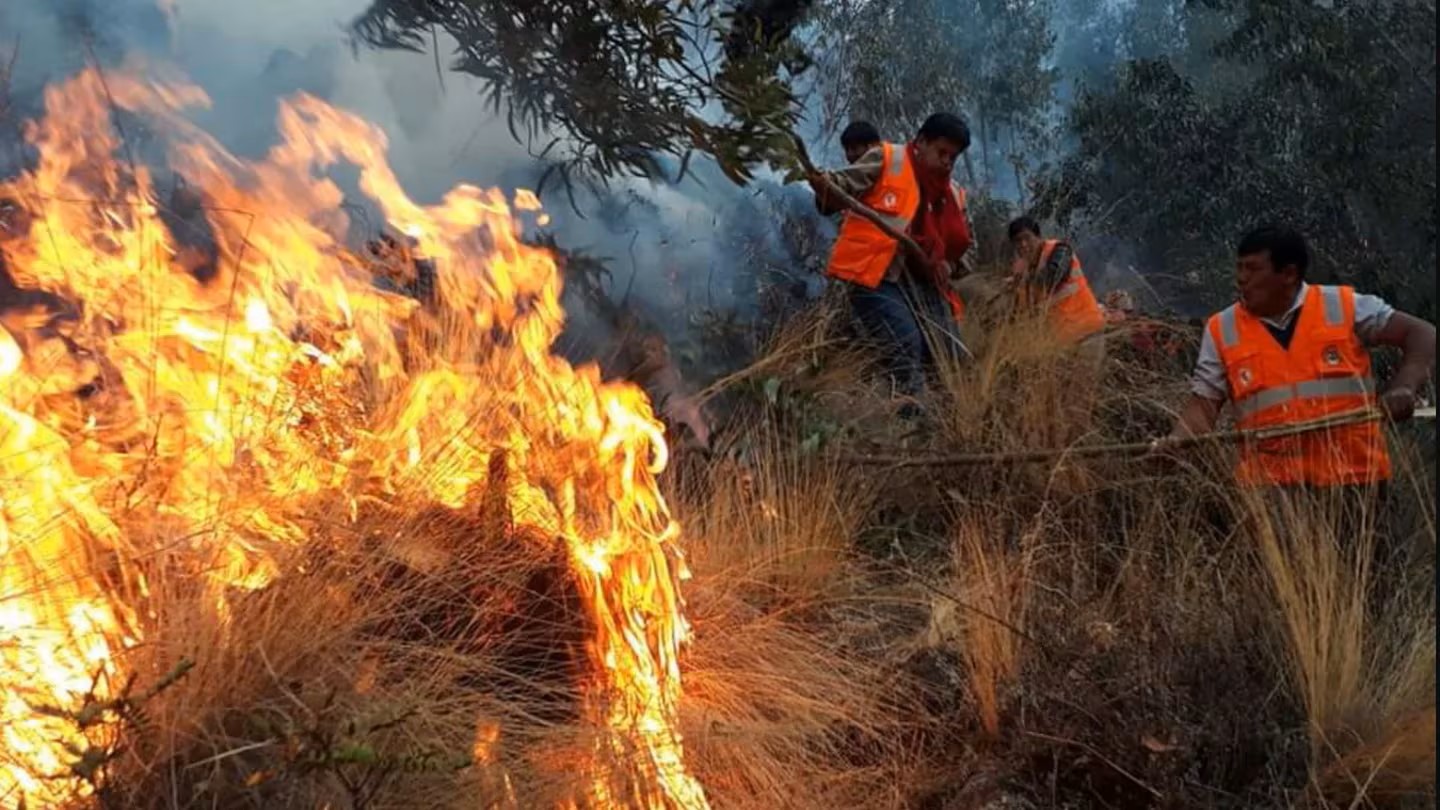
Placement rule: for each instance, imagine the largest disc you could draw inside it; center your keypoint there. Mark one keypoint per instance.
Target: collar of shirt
(1283, 320)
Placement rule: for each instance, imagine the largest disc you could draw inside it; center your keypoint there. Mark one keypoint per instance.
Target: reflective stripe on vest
(1075, 318)
(1305, 389)
(894, 170)
(1331, 305)
(1229, 330)
(1067, 289)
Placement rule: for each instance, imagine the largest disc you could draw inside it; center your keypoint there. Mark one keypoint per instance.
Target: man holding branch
(896, 254)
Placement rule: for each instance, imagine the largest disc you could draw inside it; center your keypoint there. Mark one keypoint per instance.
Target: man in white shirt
(1270, 275)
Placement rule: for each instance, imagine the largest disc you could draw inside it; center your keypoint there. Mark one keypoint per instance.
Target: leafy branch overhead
(605, 87)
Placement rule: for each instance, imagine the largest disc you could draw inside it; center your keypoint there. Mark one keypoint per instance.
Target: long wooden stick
(858, 208)
(1121, 450)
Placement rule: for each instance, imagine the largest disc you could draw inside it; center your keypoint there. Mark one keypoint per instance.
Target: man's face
(855, 151)
(937, 154)
(1027, 247)
(1263, 289)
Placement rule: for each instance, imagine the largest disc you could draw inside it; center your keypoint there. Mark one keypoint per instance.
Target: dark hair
(1285, 245)
(950, 127)
(1020, 225)
(859, 133)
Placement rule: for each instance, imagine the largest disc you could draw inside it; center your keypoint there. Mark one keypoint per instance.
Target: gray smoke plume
(674, 249)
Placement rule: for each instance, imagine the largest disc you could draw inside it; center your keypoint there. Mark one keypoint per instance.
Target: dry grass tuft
(1108, 633)
(1360, 642)
(781, 709)
(779, 521)
(983, 615)
(1155, 616)
(1319, 580)
(374, 674)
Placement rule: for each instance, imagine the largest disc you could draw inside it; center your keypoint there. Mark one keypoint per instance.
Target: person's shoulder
(1222, 312)
(1215, 322)
(870, 162)
(1366, 304)
(1365, 300)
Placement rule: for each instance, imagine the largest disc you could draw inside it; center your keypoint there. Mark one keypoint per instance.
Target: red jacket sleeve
(957, 237)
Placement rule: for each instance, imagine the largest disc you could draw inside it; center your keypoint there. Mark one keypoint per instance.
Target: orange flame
(227, 403)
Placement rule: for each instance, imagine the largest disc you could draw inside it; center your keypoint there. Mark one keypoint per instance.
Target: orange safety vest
(863, 252)
(1075, 313)
(1325, 372)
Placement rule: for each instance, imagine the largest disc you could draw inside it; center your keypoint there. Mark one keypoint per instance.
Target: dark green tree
(1321, 115)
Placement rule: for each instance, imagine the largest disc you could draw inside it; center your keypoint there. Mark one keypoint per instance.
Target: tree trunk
(984, 146)
(1015, 164)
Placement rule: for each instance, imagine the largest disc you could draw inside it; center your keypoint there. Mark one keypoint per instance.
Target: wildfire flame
(215, 400)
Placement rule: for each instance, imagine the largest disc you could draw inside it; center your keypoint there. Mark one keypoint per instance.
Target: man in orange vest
(1047, 275)
(893, 301)
(1289, 352)
(1047, 278)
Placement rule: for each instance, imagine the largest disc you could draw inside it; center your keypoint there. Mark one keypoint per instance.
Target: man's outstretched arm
(855, 179)
(1197, 417)
(1416, 340)
(1208, 391)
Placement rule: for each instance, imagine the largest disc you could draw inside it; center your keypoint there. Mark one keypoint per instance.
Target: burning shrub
(216, 433)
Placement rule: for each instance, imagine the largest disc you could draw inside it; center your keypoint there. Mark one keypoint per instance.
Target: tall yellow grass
(1126, 634)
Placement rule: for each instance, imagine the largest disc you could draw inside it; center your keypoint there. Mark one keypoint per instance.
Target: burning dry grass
(425, 475)
(355, 549)
(463, 617)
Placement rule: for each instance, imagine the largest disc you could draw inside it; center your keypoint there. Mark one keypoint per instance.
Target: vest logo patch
(889, 199)
(1245, 376)
(1332, 356)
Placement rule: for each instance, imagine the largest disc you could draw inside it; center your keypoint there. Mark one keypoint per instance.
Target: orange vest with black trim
(863, 252)
(1075, 313)
(1325, 372)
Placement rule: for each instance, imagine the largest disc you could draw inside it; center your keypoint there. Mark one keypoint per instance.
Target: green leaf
(356, 753)
(771, 389)
(811, 444)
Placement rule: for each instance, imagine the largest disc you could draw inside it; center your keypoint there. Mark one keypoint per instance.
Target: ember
(157, 408)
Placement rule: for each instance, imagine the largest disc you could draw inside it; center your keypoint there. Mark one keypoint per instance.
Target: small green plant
(125, 710)
(332, 741)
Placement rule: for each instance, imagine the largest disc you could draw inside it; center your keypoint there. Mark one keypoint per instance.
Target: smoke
(672, 247)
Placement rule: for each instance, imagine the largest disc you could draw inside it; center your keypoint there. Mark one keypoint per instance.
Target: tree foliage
(895, 63)
(1320, 115)
(1188, 120)
(616, 86)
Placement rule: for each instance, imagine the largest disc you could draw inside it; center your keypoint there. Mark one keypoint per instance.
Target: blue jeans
(894, 317)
